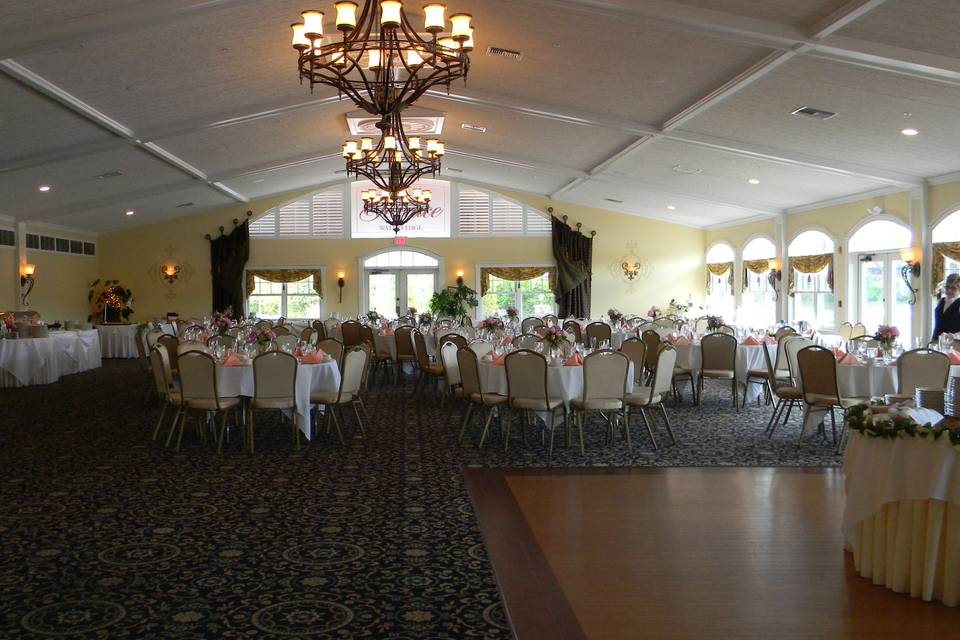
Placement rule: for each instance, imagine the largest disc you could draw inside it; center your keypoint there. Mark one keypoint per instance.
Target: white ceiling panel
(509, 176)
(75, 182)
(871, 107)
(19, 14)
(304, 175)
(788, 12)
(932, 26)
(724, 176)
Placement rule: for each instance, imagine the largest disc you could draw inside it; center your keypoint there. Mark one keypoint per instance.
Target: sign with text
(434, 224)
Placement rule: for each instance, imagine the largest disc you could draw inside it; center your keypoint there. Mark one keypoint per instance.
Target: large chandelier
(396, 209)
(382, 63)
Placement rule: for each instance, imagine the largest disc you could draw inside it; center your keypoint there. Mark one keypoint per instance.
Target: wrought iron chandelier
(382, 63)
(399, 209)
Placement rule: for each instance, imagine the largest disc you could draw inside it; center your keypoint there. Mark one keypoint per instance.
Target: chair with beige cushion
(785, 387)
(281, 330)
(224, 340)
(636, 349)
(528, 324)
(651, 340)
(718, 362)
(286, 342)
(921, 368)
(652, 396)
(845, 331)
(405, 351)
(350, 331)
(351, 379)
(818, 375)
(481, 347)
(319, 330)
(551, 320)
(199, 394)
(573, 327)
(468, 371)
(451, 372)
(307, 335)
(527, 341)
(274, 389)
(333, 348)
(597, 333)
(783, 331)
(430, 372)
(455, 338)
(381, 356)
(604, 385)
(152, 337)
(527, 391)
(172, 345)
(859, 329)
(727, 329)
(167, 391)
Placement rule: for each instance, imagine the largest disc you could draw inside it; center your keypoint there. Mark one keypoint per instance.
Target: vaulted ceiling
(662, 108)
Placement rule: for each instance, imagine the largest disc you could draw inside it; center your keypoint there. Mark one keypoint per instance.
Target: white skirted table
(749, 358)
(311, 378)
(562, 381)
(31, 361)
(902, 514)
(118, 340)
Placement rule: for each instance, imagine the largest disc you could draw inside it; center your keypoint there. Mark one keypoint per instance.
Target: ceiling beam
(54, 34)
(56, 94)
(846, 15)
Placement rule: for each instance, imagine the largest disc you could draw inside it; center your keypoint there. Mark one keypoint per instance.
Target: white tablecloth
(311, 378)
(43, 360)
(902, 514)
(562, 382)
(749, 358)
(118, 340)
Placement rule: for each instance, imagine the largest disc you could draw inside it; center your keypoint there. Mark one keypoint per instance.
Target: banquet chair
(651, 340)
(152, 337)
(224, 340)
(351, 379)
(281, 331)
(444, 324)
(527, 391)
(481, 347)
(379, 356)
(529, 323)
(274, 389)
(718, 362)
(572, 326)
(286, 342)
(319, 330)
(540, 331)
(921, 368)
(191, 346)
(350, 330)
(329, 326)
(307, 335)
(845, 331)
(666, 322)
(455, 338)
(451, 373)
(863, 341)
(604, 386)
(727, 329)
(636, 349)
(551, 320)
(818, 375)
(859, 329)
(787, 395)
(652, 396)
(466, 321)
(172, 345)
(430, 372)
(143, 357)
(597, 333)
(527, 341)
(167, 391)
(700, 325)
(472, 391)
(199, 393)
(333, 348)
(783, 331)
(405, 351)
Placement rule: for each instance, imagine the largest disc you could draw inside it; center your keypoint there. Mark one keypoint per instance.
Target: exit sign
(399, 241)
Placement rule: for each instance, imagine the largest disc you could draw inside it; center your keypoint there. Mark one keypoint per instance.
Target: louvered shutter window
(474, 212)
(328, 214)
(266, 226)
(507, 218)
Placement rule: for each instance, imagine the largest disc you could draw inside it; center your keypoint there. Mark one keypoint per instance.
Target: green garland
(861, 420)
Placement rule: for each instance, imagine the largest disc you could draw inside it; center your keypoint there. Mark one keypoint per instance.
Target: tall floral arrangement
(556, 337)
(615, 315)
(887, 335)
(109, 300)
(714, 322)
(492, 323)
(512, 314)
(222, 321)
(654, 312)
(262, 336)
(373, 317)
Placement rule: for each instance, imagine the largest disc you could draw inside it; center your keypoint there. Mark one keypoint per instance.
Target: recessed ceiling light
(910, 132)
(753, 181)
(130, 212)
(671, 207)
(472, 127)
(43, 188)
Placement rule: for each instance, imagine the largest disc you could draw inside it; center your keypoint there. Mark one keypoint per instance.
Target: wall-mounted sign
(434, 224)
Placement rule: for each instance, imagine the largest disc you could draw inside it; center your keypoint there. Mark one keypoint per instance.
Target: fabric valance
(516, 273)
(810, 264)
(285, 275)
(718, 269)
(758, 267)
(942, 250)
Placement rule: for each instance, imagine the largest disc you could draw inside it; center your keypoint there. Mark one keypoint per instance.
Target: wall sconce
(170, 272)
(341, 282)
(631, 270)
(26, 278)
(775, 276)
(459, 277)
(911, 267)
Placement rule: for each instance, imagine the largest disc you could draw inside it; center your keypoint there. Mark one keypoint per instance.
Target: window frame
(819, 300)
(283, 295)
(518, 294)
(342, 188)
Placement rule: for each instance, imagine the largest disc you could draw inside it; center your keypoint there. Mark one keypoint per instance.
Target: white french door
(392, 291)
(884, 296)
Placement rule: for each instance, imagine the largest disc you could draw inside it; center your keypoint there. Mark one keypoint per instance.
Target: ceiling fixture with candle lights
(381, 62)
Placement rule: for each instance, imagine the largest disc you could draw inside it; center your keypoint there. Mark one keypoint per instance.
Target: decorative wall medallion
(170, 272)
(631, 268)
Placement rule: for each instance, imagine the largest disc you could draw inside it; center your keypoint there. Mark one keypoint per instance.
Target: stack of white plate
(930, 398)
(951, 398)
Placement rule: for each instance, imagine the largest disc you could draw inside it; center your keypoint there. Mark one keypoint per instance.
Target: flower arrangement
(492, 323)
(654, 312)
(556, 337)
(425, 318)
(512, 313)
(679, 309)
(714, 322)
(887, 335)
(261, 336)
(860, 419)
(9, 321)
(412, 312)
(222, 320)
(110, 301)
(373, 317)
(615, 315)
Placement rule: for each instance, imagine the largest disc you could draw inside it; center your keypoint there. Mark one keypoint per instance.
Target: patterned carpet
(105, 535)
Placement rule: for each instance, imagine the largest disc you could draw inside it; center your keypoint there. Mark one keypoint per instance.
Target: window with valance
(290, 293)
(531, 290)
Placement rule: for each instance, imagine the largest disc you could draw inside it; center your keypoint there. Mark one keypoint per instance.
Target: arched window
(720, 280)
(946, 258)
(395, 280)
(883, 297)
(948, 229)
(400, 260)
(760, 249)
(810, 243)
(720, 252)
(758, 304)
(810, 280)
(880, 235)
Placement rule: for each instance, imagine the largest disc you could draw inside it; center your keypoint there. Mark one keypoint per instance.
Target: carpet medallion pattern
(104, 534)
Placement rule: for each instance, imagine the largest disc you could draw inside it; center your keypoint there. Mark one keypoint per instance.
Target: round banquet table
(749, 358)
(902, 514)
(31, 361)
(311, 378)
(118, 340)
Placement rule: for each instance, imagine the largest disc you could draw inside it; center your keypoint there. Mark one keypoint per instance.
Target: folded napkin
(839, 353)
(681, 341)
(751, 341)
(316, 357)
(575, 360)
(506, 341)
(954, 357)
(233, 361)
(770, 340)
(388, 331)
(849, 359)
(500, 360)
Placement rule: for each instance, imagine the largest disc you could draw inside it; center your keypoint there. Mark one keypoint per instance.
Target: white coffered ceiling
(655, 104)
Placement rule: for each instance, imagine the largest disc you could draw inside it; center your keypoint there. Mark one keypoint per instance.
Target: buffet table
(902, 514)
(118, 340)
(31, 361)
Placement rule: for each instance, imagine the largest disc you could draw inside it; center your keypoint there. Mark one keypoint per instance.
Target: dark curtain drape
(228, 256)
(573, 252)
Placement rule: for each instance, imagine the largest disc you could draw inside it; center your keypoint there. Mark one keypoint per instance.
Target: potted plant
(454, 301)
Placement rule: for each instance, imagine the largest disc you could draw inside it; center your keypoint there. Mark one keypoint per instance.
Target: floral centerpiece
(373, 317)
(556, 337)
(714, 323)
(492, 323)
(654, 312)
(615, 315)
(887, 336)
(425, 318)
(9, 322)
(222, 321)
(412, 312)
(261, 336)
(109, 301)
(512, 314)
(679, 309)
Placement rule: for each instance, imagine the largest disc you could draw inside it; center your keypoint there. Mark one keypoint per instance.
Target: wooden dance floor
(685, 553)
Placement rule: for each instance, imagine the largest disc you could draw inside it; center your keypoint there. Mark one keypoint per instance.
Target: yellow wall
(675, 252)
(739, 235)
(943, 198)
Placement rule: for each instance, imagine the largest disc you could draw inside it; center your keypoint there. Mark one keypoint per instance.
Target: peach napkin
(849, 359)
(316, 357)
(232, 360)
(500, 360)
(751, 341)
(839, 353)
(682, 341)
(506, 341)
(575, 360)
(770, 340)
(388, 331)
(954, 357)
